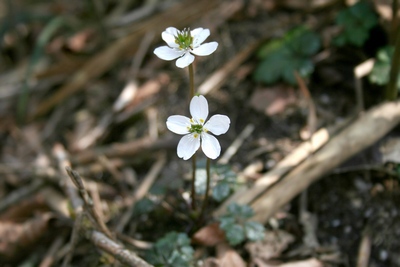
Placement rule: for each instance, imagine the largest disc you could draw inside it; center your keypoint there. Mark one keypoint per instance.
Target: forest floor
(64, 66)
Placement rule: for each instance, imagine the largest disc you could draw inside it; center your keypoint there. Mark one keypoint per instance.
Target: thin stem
(203, 207)
(391, 90)
(393, 26)
(191, 82)
(191, 95)
(194, 182)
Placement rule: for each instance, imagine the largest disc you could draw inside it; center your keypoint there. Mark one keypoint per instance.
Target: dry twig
(366, 130)
(118, 251)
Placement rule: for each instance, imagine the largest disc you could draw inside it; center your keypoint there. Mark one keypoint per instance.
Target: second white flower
(197, 131)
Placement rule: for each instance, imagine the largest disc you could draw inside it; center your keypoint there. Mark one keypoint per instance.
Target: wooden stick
(118, 251)
(247, 195)
(364, 250)
(88, 203)
(49, 258)
(218, 78)
(233, 148)
(124, 149)
(365, 131)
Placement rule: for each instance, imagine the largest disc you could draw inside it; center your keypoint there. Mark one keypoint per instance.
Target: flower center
(184, 39)
(196, 128)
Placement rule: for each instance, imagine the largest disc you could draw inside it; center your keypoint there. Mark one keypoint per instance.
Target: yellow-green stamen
(196, 128)
(184, 39)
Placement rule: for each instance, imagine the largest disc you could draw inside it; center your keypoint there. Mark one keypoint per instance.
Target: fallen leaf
(25, 209)
(273, 100)
(209, 235)
(228, 257)
(80, 40)
(390, 150)
(304, 263)
(306, 5)
(274, 243)
(17, 238)
(210, 262)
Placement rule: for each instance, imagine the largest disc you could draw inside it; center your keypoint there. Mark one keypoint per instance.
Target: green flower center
(184, 39)
(196, 128)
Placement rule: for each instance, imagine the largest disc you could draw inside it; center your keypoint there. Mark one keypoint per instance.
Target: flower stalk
(391, 89)
(191, 95)
(184, 46)
(205, 202)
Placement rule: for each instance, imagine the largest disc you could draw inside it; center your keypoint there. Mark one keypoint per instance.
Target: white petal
(178, 124)
(172, 30)
(169, 36)
(205, 49)
(210, 146)
(218, 124)
(196, 31)
(188, 145)
(185, 61)
(199, 36)
(167, 53)
(199, 109)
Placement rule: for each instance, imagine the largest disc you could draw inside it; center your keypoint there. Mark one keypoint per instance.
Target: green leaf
(143, 206)
(254, 231)
(307, 44)
(380, 73)
(284, 56)
(173, 250)
(356, 21)
(236, 227)
(221, 191)
(226, 222)
(271, 68)
(270, 48)
(357, 37)
(241, 211)
(235, 234)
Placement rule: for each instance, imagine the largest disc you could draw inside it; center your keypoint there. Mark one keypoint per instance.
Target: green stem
(191, 82)
(203, 207)
(191, 95)
(393, 26)
(391, 89)
(194, 182)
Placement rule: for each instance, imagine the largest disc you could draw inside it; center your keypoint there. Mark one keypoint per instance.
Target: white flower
(196, 130)
(182, 44)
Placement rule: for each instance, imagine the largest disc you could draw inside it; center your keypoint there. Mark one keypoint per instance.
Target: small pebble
(383, 255)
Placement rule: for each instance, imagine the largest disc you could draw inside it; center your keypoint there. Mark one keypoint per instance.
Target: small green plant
(282, 57)
(381, 70)
(224, 181)
(356, 21)
(144, 206)
(237, 227)
(173, 250)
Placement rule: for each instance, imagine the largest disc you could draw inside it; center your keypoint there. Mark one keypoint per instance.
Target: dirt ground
(352, 208)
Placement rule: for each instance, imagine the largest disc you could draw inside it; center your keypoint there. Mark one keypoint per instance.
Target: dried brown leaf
(24, 209)
(210, 262)
(15, 238)
(390, 150)
(209, 235)
(274, 243)
(228, 257)
(273, 100)
(303, 263)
